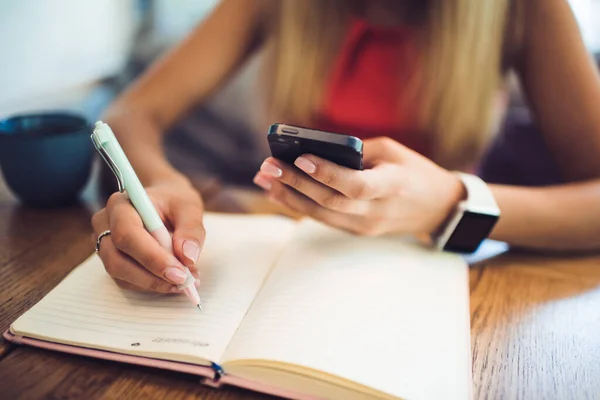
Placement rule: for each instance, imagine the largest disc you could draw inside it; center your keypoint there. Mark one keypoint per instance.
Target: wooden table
(535, 319)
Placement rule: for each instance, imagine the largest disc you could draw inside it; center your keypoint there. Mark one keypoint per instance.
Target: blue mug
(46, 158)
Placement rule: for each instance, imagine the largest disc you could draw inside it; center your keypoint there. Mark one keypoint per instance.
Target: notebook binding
(219, 372)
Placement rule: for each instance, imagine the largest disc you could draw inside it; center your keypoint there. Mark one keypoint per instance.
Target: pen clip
(111, 164)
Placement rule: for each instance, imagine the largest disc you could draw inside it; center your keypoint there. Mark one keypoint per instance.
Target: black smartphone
(288, 142)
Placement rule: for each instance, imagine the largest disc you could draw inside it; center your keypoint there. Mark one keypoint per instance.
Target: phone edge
(314, 134)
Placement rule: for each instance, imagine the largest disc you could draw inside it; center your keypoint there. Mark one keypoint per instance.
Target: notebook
(291, 308)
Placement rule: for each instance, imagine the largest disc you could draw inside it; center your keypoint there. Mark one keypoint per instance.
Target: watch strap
(479, 196)
(479, 200)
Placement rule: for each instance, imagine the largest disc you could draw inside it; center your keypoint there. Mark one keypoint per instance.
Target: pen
(109, 148)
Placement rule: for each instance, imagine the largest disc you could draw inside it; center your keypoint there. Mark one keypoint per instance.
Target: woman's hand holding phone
(133, 258)
(400, 191)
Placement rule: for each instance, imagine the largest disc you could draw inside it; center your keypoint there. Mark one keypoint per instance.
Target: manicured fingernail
(191, 250)
(175, 275)
(174, 289)
(262, 182)
(271, 169)
(305, 165)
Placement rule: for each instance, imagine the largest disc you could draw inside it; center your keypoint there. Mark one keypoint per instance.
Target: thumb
(383, 149)
(188, 234)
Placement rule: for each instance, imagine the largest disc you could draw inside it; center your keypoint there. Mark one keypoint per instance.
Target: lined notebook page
(89, 310)
(381, 312)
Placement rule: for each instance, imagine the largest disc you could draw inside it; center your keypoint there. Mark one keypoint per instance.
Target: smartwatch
(472, 220)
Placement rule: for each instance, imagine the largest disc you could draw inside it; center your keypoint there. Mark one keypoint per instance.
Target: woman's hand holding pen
(400, 191)
(133, 258)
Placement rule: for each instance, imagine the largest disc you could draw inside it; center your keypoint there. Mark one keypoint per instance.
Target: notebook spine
(219, 372)
(214, 382)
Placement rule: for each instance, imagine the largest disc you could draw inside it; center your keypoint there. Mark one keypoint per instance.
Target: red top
(364, 91)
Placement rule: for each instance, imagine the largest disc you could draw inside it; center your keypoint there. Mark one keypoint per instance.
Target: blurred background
(77, 55)
(71, 53)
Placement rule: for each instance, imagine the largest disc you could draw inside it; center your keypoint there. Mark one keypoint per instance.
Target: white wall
(174, 19)
(53, 51)
(587, 13)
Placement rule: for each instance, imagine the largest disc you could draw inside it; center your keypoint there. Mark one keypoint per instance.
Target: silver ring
(105, 233)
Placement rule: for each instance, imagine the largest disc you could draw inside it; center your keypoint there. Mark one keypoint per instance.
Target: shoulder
(532, 24)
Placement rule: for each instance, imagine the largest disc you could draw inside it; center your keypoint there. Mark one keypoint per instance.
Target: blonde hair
(464, 46)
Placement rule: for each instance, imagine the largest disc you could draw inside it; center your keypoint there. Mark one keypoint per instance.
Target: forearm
(180, 79)
(142, 140)
(565, 217)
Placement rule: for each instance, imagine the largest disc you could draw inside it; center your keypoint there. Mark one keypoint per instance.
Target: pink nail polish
(305, 165)
(263, 182)
(271, 169)
(191, 250)
(175, 275)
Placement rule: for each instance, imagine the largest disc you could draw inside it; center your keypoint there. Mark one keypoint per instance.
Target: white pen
(109, 148)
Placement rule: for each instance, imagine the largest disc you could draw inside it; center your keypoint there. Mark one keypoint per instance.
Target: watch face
(472, 229)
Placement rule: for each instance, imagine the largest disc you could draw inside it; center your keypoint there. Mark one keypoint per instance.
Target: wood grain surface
(535, 318)
(535, 327)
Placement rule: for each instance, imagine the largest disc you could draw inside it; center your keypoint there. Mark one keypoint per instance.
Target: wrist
(453, 194)
(174, 179)
(166, 175)
(472, 219)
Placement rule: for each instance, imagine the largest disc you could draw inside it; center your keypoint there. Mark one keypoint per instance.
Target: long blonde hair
(464, 42)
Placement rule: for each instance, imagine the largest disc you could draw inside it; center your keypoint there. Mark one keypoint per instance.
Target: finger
(99, 222)
(118, 199)
(282, 194)
(356, 185)
(121, 267)
(314, 190)
(129, 286)
(129, 236)
(383, 149)
(383, 180)
(312, 183)
(189, 233)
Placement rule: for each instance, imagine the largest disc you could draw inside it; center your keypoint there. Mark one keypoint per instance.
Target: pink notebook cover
(208, 375)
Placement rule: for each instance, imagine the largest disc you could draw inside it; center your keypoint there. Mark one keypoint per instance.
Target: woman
(421, 82)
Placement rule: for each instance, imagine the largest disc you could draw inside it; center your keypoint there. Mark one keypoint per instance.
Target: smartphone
(288, 142)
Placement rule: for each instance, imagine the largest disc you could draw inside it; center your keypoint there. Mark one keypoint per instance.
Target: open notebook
(291, 308)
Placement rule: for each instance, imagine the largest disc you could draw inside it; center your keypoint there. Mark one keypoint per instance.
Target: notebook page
(88, 309)
(385, 313)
